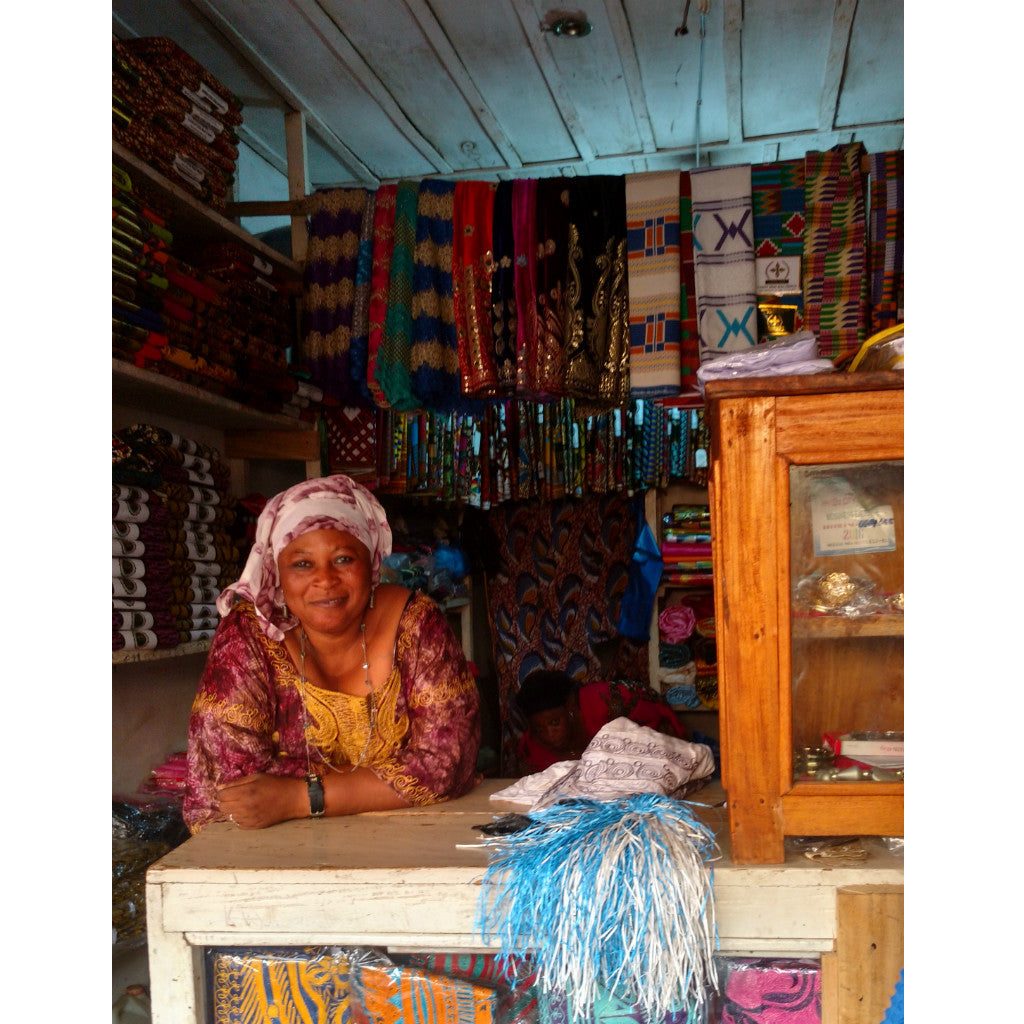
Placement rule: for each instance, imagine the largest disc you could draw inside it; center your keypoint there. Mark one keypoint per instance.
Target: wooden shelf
(151, 391)
(160, 654)
(833, 627)
(195, 224)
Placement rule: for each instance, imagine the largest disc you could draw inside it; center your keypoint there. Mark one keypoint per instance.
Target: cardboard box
(875, 749)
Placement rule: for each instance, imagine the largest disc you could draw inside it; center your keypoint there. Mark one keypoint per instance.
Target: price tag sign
(844, 524)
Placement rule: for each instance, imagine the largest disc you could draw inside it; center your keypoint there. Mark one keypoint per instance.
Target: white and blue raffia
(609, 895)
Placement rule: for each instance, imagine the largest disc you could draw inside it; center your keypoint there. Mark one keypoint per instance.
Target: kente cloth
(292, 985)
(654, 269)
(886, 239)
(334, 228)
(392, 370)
(434, 356)
(723, 259)
(400, 994)
(504, 326)
(359, 349)
(557, 590)
(689, 337)
(524, 280)
(597, 300)
(836, 282)
(778, 205)
(472, 234)
(600, 703)
(248, 714)
(770, 991)
(552, 264)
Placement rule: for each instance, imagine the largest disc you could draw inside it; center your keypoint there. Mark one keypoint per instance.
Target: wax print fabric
(724, 270)
(291, 985)
(652, 233)
(401, 994)
(770, 991)
(248, 717)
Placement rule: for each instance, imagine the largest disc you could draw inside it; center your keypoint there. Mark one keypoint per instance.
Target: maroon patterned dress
(247, 717)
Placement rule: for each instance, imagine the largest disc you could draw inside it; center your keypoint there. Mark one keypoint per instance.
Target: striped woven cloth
(654, 269)
(723, 246)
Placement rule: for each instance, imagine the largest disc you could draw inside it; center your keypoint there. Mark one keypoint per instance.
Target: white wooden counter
(396, 879)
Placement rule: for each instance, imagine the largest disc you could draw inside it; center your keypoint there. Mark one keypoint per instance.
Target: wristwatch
(316, 796)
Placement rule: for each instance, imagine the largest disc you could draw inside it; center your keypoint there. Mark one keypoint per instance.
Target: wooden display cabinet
(792, 460)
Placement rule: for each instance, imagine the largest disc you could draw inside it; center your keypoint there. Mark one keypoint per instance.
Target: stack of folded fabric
(256, 325)
(140, 239)
(686, 546)
(176, 116)
(179, 527)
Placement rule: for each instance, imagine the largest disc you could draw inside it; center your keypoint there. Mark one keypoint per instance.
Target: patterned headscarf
(328, 503)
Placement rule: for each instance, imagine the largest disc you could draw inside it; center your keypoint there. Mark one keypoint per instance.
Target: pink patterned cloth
(772, 992)
(247, 716)
(333, 503)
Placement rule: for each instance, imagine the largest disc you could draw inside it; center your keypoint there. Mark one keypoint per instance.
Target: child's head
(547, 699)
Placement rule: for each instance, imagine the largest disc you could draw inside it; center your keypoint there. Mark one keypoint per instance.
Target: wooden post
(868, 956)
(298, 179)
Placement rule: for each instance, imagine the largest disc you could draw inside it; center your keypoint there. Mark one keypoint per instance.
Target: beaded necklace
(372, 712)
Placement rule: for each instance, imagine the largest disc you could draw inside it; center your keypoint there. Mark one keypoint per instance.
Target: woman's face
(325, 578)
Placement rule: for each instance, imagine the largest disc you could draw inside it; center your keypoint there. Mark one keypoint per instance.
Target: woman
(325, 691)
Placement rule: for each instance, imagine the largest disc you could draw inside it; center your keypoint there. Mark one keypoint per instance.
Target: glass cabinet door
(846, 601)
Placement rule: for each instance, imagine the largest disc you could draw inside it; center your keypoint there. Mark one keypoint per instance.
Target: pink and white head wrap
(328, 503)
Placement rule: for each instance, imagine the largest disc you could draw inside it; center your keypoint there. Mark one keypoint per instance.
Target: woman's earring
(373, 590)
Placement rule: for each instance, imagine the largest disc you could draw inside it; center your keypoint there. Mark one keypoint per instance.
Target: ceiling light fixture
(567, 24)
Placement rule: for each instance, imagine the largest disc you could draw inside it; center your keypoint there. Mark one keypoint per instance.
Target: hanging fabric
(552, 263)
(433, 356)
(503, 290)
(335, 225)
(597, 302)
(689, 340)
(392, 370)
(472, 237)
(723, 246)
(836, 285)
(524, 248)
(359, 349)
(777, 198)
(886, 239)
(380, 274)
(654, 269)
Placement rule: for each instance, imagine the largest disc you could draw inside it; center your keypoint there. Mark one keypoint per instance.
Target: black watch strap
(316, 796)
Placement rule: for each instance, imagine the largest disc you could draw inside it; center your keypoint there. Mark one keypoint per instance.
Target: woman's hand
(257, 801)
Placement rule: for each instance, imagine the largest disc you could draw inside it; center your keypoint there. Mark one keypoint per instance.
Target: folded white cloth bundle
(622, 759)
(785, 355)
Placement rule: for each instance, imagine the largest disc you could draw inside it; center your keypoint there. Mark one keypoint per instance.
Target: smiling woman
(325, 691)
